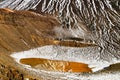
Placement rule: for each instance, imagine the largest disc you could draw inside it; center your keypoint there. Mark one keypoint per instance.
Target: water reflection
(55, 65)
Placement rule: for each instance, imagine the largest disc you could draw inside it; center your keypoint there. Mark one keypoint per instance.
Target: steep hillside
(21, 30)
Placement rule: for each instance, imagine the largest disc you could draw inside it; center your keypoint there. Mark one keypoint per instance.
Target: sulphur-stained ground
(24, 30)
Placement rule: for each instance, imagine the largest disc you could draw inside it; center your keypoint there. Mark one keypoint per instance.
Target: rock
(9, 73)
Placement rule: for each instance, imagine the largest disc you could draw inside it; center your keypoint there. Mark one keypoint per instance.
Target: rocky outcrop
(9, 73)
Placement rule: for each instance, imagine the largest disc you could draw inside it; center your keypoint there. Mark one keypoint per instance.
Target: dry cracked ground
(24, 30)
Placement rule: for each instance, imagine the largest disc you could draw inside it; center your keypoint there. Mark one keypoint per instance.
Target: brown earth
(22, 30)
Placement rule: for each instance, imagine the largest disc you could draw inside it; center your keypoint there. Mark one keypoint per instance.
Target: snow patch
(66, 54)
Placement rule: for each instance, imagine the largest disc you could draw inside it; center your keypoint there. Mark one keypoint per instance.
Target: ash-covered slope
(19, 4)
